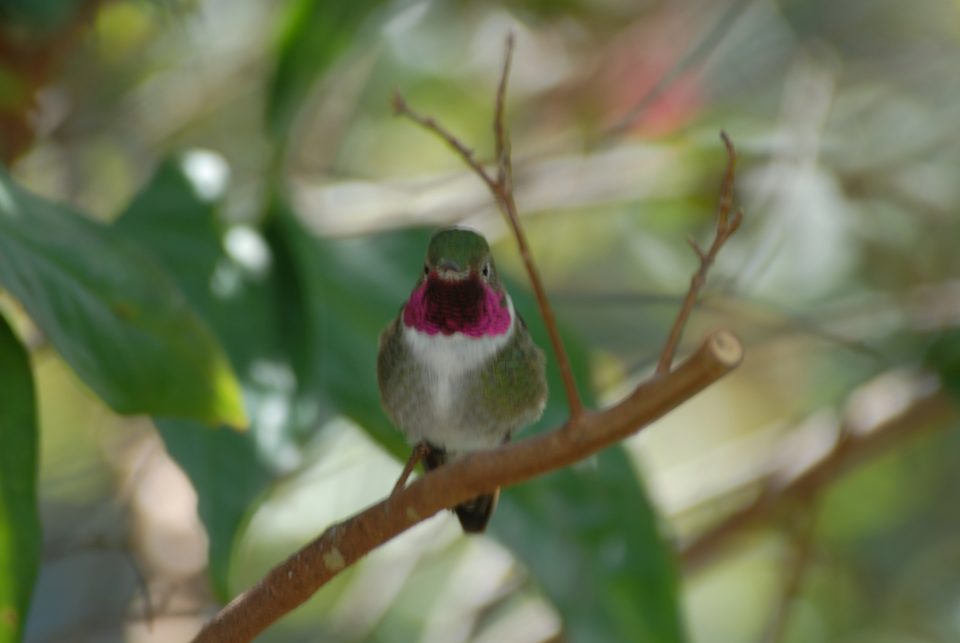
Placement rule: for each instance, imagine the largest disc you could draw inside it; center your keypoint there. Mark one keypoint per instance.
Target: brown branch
(500, 136)
(501, 188)
(400, 108)
(925, 411)
(293, 581)
(726, 227)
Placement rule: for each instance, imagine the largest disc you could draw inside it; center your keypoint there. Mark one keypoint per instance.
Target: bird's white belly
(447, 360)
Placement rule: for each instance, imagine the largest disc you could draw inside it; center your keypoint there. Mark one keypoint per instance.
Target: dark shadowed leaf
(943, 356)
(19, 518)
(353, 289)
(112, 313)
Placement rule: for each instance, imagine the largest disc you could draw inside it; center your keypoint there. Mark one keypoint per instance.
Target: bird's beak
(448, 269)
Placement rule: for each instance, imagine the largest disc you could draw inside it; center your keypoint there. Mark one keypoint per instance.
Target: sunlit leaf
(112, 313)
(19, 518)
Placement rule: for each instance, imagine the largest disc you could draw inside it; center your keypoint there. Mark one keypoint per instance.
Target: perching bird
(457, 368)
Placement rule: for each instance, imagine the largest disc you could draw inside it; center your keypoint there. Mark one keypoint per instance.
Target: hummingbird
(457, 368)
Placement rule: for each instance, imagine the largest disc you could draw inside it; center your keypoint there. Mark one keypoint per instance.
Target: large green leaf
(247, 302)
(112, 313)
(19, 518)
(312, 34)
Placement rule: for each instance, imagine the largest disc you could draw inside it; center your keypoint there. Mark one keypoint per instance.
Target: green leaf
(112, 313)
(590, 538)
(312, 34)
(19, 518)
(247, 302)
(240, 296)
(353, 289)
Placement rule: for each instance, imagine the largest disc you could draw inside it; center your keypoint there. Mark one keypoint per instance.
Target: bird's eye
(426, 269)
(486, 270)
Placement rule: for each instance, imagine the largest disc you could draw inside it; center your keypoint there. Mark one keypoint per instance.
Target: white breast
(449, 357)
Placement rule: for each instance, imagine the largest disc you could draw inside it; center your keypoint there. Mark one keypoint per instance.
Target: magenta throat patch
(468, 306)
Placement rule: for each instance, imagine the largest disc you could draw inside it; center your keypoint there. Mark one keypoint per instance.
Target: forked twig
(501, 186)
(726, 226)
(400, 108)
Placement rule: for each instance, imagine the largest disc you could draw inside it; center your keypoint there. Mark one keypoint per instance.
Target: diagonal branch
(293, 581)
(400, 108)
(502, 189)
(726, 227)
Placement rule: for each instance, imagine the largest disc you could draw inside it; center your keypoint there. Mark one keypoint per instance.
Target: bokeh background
(250, 148)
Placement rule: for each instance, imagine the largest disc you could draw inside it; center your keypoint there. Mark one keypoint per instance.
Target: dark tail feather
(473, 514)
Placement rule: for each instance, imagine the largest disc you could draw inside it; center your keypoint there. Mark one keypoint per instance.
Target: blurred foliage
(245, 216)
(112, 313)
(313, 34)
(943, 355)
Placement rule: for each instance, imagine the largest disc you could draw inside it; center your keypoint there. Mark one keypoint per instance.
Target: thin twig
(802, 541)
(501, 188)
(293, 581)
(400, 108)
(726, 227)
(143, 586)
(500, 137)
